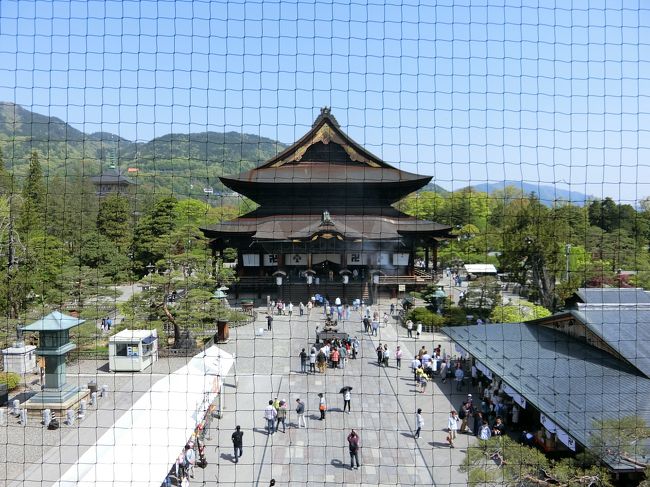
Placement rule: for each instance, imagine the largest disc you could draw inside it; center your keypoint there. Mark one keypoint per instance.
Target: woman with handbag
(322, 405)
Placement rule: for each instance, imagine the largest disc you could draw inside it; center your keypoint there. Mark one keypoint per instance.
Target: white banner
(518, 398)
(357, 258)
(547, 423)
(383, 258)
(486, 372)
(318, 258)
(401, 259)
(251, 260)
(296, 259)
(270, 260)
(564, 437)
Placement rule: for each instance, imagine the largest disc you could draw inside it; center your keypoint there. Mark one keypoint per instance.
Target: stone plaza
(384, 401)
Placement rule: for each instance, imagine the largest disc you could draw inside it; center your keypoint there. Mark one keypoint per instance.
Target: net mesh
(357, 216)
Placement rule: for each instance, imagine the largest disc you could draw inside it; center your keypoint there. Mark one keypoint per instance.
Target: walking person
(237, 442)
(190, 460)
(322, 405)
(418, 330)
(459, 376)
(281, 416)
(386, 355)
(409, 329)
(375, 327)
(303, 361)
(419, 423)
(346, 398)
(452, 425)
(415, 365)
(312, 360)
(300, 411)
(398, 357)
(269, 415)
(301, 308)
(353, 444)
(269, 322)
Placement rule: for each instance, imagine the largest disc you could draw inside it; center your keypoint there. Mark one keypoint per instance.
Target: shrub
(428, 318)
(11, 379)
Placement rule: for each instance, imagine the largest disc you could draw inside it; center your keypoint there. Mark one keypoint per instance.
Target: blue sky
(467, 91)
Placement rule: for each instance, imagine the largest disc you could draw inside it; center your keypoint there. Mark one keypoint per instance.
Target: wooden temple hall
(325, 222)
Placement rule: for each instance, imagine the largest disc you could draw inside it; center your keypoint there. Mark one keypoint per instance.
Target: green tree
(114, 221)
(500, 461)
(151, 240)
(33, 211)
(533, 249)
(518, 313)
(482, 295)
(625, 438)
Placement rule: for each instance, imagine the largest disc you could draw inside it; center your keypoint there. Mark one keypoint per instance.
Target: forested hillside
(182, 164)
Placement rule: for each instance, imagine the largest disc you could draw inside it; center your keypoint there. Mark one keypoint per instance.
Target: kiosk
(132, 350)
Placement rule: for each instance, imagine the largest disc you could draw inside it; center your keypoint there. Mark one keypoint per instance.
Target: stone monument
(54, 344)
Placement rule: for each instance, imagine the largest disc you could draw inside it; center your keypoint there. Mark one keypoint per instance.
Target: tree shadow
(104, 368)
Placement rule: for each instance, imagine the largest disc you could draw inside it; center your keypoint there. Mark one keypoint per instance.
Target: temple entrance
(327, 270)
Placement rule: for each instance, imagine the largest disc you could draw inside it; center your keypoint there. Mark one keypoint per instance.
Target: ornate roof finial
(326, 112)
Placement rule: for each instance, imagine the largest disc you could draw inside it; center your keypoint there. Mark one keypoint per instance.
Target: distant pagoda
(326, 208)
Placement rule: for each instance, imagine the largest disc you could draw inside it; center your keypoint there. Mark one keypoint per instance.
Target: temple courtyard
(384, 401)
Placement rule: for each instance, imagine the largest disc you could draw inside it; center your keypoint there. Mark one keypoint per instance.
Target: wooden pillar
(426, 257)
(434, 256)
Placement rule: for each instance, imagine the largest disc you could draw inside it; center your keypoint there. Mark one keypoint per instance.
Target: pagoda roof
(111, 175)
(55, 321)
(325, 129)
(325, 155)
(309, 227)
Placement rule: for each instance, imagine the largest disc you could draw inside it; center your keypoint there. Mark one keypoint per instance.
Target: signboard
(518, 398)
(547, 423)
(486, 372)
(251, 260)
(564, 437)
(356, 258)
(270, 260)
(296, 259)
(401, 288)
(383, 259)
(401, 259)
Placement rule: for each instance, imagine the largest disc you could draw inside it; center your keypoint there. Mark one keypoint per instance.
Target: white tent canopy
(480, 269)
(143, 444)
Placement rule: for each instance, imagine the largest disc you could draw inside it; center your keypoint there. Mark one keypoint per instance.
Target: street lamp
(279, 277)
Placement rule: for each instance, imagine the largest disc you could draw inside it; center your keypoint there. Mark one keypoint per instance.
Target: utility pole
(567, 254)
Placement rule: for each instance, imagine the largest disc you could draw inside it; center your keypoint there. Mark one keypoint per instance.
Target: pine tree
(114, 220)
(33, 210)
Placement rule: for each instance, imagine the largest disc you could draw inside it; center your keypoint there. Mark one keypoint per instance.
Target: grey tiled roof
(625, 328)
(612, 296)
(571, 382)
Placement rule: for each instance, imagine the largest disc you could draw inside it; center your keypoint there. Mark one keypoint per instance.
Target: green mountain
(184, 164)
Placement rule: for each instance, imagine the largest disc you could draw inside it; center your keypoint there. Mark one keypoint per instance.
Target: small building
(132, 350)
(112, 181)
(574, 370)
(19, 358)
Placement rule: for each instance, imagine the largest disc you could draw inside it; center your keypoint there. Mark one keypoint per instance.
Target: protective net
(326, 243)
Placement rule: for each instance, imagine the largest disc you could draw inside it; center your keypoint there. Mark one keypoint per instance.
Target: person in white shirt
(452, 424)
(419, 423)
(270, 414)
(418, 330)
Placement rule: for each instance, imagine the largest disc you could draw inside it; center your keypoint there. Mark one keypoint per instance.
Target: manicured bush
(428, 318)
(11, 379)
